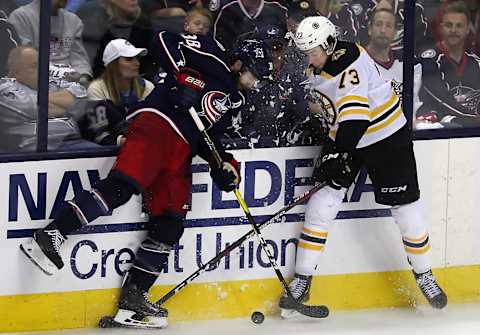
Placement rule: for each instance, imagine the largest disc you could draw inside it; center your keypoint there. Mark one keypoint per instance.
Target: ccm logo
(397, 189)
(195, 81)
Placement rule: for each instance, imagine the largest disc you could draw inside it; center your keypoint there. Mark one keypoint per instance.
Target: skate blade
(289, 313)
(35, 254)
(130, 319)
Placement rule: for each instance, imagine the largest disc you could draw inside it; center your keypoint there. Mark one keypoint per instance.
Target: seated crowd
(101, 64)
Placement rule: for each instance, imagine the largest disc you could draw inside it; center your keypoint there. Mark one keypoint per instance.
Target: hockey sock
(411, 223)
(143, 280)
(321, 210)
(84, 208)
(151, 259)
(310, 247)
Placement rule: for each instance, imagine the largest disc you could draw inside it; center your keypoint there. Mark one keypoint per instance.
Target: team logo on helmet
(315, 25)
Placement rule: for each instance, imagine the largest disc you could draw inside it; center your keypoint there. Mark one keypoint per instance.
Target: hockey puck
(257, 317)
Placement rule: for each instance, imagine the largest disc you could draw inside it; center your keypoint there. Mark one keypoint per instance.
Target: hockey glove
(336, 168)
(227, 176)
(190, 86)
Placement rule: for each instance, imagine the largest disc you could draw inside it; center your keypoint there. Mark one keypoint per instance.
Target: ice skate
(427, 283)
(135, 311)
(44, 250)
(300, 288)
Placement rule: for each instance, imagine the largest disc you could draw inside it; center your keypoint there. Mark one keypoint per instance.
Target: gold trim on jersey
(385, 123)
(385, 119)
(354, 112)
(325, 75)
(380, 109)
(351, 98)
(353, 107)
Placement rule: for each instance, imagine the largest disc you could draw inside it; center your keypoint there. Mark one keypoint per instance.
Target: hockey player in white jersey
(367, 127)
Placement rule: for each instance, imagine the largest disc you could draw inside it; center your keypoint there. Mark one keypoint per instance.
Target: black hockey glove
(227, 176)
(336, 168)
(190, 86)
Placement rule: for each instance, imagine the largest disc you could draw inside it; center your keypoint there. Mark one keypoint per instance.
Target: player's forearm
(349, 134)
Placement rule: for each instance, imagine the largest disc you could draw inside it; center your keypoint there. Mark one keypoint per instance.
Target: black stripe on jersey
(313, 239)
(387, 114)
(416, 245)
(353, 104)
(349, 53)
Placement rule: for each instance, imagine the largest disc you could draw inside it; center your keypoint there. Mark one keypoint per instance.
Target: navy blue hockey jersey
(220, 95)
(449, 88)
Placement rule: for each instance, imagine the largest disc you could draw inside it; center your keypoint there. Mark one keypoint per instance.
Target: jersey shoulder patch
(343, 56)
(429, 53)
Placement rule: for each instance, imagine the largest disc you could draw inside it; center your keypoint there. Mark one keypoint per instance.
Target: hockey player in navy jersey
(367, 127)
(155, 161)
(450, 89)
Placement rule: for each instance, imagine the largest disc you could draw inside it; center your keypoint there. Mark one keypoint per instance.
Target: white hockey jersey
(349, 87)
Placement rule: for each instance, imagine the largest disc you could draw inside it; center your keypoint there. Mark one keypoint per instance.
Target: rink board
(363, 267)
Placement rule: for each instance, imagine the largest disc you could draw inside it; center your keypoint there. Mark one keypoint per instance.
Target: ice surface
(455, 320)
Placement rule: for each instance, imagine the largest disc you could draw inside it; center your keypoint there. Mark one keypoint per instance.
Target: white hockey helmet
(316, 31)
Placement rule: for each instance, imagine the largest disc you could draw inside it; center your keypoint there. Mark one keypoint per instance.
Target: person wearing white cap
(121, 82)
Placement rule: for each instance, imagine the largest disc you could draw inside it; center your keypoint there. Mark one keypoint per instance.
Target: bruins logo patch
(337, 54)
(328, 113)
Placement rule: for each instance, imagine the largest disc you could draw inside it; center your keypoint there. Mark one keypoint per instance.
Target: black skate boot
(431, 290)
(136, 311)
(44, 250)
(300, 289)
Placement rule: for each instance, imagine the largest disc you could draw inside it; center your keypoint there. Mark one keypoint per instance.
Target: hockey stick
(297, 201)
(319, 311)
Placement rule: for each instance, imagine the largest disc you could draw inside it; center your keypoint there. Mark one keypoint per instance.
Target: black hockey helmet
(273, 35)
(255, 57)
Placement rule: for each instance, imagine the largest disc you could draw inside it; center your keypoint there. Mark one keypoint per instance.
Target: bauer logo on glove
(227, 177)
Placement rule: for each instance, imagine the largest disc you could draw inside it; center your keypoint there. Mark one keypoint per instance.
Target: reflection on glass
(449, 89)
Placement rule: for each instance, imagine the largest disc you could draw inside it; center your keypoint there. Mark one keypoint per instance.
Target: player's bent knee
(164, 231)
(410, 218)
(323, 206)
(167, 229)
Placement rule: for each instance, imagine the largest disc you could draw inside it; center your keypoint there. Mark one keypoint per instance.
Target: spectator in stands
(341, 15)
(18, 101)
(66, 47)
(381, 33)
(436, 29)
(8, 40)
(450, 85)
(119, 88)
(364, 10)
(198, 21)
(114, 19)
(242, 17)
(121, 82)
(169, 14)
